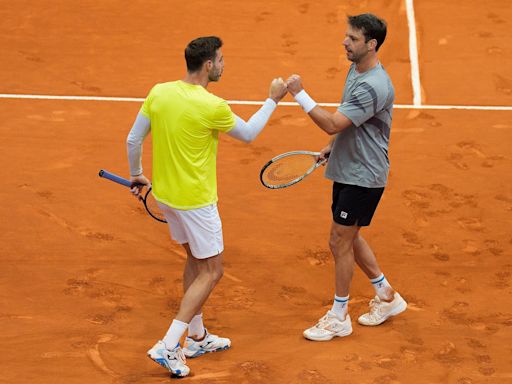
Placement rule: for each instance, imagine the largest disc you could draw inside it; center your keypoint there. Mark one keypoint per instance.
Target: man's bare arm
(331, 123)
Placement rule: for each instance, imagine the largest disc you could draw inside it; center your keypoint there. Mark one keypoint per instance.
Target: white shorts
(201, 228)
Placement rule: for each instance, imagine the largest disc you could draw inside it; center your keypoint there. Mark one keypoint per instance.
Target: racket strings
(288, 169)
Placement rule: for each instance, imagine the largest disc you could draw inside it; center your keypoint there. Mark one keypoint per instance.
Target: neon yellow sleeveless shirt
(185, 124)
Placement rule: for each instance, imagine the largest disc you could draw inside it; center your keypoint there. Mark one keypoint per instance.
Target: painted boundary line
(413, 53)
(246, 102)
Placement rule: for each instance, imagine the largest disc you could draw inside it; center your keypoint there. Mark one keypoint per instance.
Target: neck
(197, 78)
(369, 62)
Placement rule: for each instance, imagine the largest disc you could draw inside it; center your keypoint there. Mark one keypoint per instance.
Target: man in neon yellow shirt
(185, 121)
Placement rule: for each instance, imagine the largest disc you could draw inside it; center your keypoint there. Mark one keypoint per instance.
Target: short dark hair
(371, 26)
(200, 50)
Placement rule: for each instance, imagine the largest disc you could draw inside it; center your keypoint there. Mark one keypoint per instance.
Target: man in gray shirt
(358, 165)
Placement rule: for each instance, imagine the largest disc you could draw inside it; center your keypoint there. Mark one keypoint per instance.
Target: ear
(208, 64)
(372, 44)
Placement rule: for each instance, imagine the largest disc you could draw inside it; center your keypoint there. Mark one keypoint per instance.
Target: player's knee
(216, 274)
(339, 246)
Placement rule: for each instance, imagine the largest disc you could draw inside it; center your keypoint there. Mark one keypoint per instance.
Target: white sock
(196, 327)
(173, 335)
(340, 306)
(382, 286)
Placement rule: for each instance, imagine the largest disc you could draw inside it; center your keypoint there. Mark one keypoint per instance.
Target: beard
(355, 56)
(214, 74)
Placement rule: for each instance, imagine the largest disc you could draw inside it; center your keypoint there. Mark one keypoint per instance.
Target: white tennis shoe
(380, 310)
(329, 327)
(174, 360)
(210, 343)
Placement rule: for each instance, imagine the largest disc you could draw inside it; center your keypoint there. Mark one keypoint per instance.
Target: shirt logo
(343, 214)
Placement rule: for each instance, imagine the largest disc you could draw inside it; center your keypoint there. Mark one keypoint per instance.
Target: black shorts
(354, 205)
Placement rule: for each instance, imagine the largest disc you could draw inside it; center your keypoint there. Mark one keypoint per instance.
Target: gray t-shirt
(359, 154)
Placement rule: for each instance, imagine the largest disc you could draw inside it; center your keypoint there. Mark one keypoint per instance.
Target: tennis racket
(289, 168)
(149, 201)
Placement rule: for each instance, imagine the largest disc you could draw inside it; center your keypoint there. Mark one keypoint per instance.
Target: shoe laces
(325, 321)
(177, 354)
(181, 355)
(375, 307)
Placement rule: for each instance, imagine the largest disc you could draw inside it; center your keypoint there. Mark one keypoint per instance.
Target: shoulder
(152, 94)
(377, 81)
(377, 76)
(156, 89)
(159, 87)
(214, 99)
(216, 104)
(380, 76)
(222, 117)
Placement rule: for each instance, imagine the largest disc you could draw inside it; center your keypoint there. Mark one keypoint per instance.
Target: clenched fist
(277, 89)
(294, 84)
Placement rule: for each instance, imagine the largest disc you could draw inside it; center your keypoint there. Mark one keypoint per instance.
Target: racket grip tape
(114, 178)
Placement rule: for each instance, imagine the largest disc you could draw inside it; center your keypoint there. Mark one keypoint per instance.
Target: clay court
(88, 281)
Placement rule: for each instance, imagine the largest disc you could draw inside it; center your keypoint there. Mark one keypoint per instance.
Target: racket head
(289, 168)
(151, 206)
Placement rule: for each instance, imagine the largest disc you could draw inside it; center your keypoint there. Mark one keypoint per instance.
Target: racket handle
(115, 178)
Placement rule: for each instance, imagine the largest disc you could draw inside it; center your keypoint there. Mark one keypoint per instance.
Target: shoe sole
(398, 310)
(202, 352)
(328, 337)
(177, 374)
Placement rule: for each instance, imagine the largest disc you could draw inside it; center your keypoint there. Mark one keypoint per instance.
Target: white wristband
(305, 101)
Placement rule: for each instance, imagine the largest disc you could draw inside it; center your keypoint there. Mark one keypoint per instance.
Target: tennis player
(358, 165)
(185, 121)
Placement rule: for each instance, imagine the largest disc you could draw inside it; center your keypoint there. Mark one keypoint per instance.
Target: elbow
(132, 141)
(244, 132)
(328, 126)
(331, 129)
(247, 138)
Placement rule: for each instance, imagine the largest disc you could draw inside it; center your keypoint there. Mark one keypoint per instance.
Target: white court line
(81, 98)
(413, 54)
(246, 102)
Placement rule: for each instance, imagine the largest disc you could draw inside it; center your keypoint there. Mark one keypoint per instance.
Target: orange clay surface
(88, 282)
